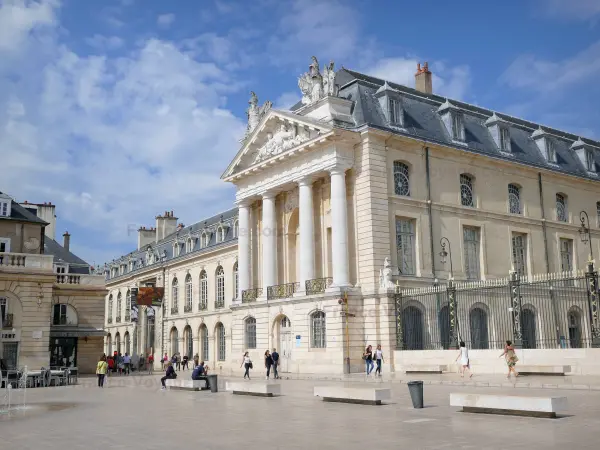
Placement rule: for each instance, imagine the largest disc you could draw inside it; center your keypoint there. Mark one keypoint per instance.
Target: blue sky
(117, 110)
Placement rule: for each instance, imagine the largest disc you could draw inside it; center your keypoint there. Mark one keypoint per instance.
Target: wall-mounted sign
(36, 334)
(150, 296)
(298, 340)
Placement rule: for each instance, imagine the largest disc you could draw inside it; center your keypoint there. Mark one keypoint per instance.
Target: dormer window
(190, 245)
(545, 144)
(458, 126)
(585, 153)
(220, 234)
(454, 121)
(175, 250)
(589, 160)
(550, 151)
(391, 104)
(4, 209)
(500, 131)
(504, 139)
(395, 111)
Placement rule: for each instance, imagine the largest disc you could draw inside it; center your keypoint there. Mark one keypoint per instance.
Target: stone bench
(256, 389)
(542, 370)
(510, 405)
(186, 385)
(425, 368)
(363, 395)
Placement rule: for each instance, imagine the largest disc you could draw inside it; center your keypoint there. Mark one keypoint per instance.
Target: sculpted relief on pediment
(285, 137)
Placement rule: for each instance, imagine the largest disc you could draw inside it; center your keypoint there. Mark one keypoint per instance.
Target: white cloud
(165, 20)
(19, 18)
(531, 72)
(287, 100)
(223, 7)
(453, 82)
(572, 9)
(101, 42)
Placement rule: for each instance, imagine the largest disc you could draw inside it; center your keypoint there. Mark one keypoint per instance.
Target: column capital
(306, 180)
(340, 168)
(271, 193)
(244, 203)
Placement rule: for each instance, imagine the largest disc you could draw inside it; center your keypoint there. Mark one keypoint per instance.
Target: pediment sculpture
(255, 113)
(285, 138)
(385, 275)
(315, 84)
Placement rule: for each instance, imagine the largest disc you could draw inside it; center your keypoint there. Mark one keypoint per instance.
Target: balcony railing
(220, 303)
(250, 295)
(26, 261)
(282, 290)
(109, 320)
(175, 310)
(202, 306)
(118, 319)
(127, 317)
(318, 285)
(187, 308)
(8, 321)
(73, 278)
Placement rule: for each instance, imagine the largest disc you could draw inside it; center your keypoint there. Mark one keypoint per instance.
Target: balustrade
(250, 295)
(282, 290)
(318, 285)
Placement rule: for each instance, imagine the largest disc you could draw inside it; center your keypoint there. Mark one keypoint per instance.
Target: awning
(58, 332)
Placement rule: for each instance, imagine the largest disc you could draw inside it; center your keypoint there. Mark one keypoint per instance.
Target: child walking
(465, 364)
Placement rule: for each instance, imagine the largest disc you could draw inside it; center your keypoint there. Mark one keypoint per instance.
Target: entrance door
(10, 354)
(285, 344)
(63, 352)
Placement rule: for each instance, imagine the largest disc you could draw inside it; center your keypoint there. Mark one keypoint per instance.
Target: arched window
(118, 342)
(467, 197)
(236, 229)
(401, 179)
(412, 328)
(318, 327)
(444, 318)
(203, 290)
(220, 234)
(127, 343)
(574, 319)
(478, 325)
(514, 199)
(236, 280)
(119, 306)
(562, 214)
(189, 245)
(175, 296)
(109, 346)
(174, 341)
(220, 332)
(203, 240)
(128, 306)
(529, 328)
(62, 314)
(188, 342)
(250, 332)
(110, 308)
(220, 278)
(189, 301)
(203, 343)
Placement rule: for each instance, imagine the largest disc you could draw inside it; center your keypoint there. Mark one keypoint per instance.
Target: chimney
(146, 236)
(66, 240)
(423, 79)
(165, 225)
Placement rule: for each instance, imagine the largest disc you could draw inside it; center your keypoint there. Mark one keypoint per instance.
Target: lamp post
(592, 281)
(584, 234)
(444, 254)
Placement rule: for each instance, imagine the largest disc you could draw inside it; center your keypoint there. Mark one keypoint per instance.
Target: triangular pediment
(277, 132)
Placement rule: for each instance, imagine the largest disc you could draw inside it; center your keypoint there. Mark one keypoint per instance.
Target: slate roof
(20, 214)
(62, 255)
(165, 246)
(422, 121)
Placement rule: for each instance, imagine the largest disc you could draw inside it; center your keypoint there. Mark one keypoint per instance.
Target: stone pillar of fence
(453, 315)
(515, 308)
(591, 277)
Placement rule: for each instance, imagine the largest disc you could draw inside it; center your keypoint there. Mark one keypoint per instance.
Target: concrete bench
(364, 396)
(510, 405)
(256, 389)
(425, 368)
(542, 370)
(186, 385)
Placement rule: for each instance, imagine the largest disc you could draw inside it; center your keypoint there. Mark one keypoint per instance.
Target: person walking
(465, 363)
(126, 364)
(247, 363)
(268, 363)
(378, 359)
(101, 369)
(151, 364)
(111, 365)
(275, 358)
(120, 364)
(184, 362)
(169, 375)
(368, 357)
(511, 359)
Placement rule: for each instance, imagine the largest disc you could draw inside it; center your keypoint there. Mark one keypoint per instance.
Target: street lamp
(444, 254)
(584, 233)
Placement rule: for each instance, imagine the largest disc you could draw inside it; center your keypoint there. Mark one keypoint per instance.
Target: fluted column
(307, 231)
(339, 228)
(269, 242)
(243, 247)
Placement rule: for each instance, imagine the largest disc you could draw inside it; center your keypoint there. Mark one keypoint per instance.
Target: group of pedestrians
(373, 359)
(271, 361)
(177, 363)
(508, 353)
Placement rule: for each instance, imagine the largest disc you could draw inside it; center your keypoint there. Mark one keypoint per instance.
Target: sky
(119, 110)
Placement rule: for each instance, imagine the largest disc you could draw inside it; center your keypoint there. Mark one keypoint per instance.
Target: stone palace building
(340, 202)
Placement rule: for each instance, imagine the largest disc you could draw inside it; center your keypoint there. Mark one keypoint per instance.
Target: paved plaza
(132, 413)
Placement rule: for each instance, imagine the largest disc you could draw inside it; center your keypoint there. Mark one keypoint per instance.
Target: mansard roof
(422, 121)
(62, 255)
(20, 214)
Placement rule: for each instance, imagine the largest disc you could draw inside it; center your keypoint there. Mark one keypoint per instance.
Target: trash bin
(212, 383)
(416, 393)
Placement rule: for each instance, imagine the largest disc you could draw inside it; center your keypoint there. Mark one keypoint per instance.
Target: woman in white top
(247, 363)
(378, 356)
(464, 360)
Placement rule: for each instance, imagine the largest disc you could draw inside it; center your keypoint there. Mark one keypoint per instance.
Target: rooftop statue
(316, 85)
(255, 113)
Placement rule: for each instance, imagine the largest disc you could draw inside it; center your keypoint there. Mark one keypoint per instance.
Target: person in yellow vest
(101, 369)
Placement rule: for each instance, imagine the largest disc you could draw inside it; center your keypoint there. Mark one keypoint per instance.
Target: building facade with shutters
(355, 192)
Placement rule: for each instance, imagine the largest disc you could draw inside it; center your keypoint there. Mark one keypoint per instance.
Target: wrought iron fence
(118, 319)
(202, 306)
(187, 308)
(282, 290)
(318, 285)
(174, 310)
(546, 311)
(250, 295)
(220, 303)
(109, 320)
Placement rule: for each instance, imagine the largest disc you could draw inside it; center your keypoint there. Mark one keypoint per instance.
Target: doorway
(285, 344)
(10, 354)
(63, 352)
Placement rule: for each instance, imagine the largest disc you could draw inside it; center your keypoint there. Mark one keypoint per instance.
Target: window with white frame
(235, 280)
(188, 293)
(110, 307)
(566, 255)
(204, 339)
(519, 253)
(401, 179)
(119, 306)
(458, 126)
(4, 209)
(219, 235)
(467, 197)
(175, 250)
(236, 229)
(4, 245)
(550, 151)
(204, 240)
(128, 306)
(220, 278)
(514, 199)
(250, 324)
(395, 111)
(471, 247)
(220, 332)
(174, 296)
(405, 246)
(203, 290)
(589, 161)
(189, 245)
(318, 328)
(505, 139)
(562, 214)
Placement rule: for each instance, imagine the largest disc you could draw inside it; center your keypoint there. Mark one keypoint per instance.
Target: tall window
(128, 306)
(220, 332)
(566, 255)
(471, 244)
(220, 300)
(519, 253)
(220, 234)
(110, 308)
(405, 246)
(236, 280)
(188, 293)
(203, 290)
(175, 250)
(589, 161)
(175, 296)
(189, 342)
(561, 208)
(318, 330)
(395, 112)
(204, 240)
(466, 191)
(204, 338)
(59, 315)
(458, 126)
(550, 150)
(190, 245)
(236, 229)
(119, 306)
(514, 199)
(401, 179)
(504, 139)
(4, 209)
(250, 332)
